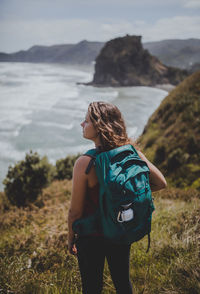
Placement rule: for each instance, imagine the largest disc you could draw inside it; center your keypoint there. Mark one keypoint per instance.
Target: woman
(105, 126)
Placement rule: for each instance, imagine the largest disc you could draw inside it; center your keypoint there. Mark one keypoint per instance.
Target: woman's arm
(79, 187)
(157, 180)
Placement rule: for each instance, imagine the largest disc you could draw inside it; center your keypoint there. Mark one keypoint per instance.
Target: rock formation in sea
(124, 62)
(171, 138)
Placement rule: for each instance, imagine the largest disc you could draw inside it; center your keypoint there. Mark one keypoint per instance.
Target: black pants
(92, 252)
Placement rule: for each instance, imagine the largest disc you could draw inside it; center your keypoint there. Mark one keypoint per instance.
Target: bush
(175, 159)
(26, 179)
(64, 167)
(160, 154)
(196, 184)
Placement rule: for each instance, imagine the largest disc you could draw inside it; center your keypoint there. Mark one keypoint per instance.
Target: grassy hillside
(171, 138)
(34, 257)
(33, 244)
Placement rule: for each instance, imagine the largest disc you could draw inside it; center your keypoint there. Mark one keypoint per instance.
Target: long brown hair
(110, 125)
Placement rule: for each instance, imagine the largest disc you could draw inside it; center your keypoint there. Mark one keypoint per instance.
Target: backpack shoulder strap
(92, 153)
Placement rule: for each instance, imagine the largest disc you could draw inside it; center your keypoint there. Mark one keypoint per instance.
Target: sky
(24, 23)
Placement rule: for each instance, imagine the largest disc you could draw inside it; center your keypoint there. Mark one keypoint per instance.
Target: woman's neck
(97, 142)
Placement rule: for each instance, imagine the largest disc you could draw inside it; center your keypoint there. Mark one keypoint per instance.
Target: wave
(10, 83)
(12, 128)
(59, 153)
(55, 125)
(44, 112)
(10, 153)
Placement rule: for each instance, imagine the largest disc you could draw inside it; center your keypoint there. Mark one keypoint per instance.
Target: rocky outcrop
(124, 62)
(171, 138)
(82, 53)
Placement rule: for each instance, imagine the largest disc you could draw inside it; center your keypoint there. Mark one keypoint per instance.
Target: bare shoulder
(81, 163)
(141, 155)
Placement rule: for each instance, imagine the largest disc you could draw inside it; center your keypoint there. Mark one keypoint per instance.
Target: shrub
(150, 142)
(26, 179)
(175, 159)
(64, 167)
(196, 184)
(160, 154)
(192, 144)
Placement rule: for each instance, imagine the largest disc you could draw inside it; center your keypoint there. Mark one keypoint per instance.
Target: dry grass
(34, 257)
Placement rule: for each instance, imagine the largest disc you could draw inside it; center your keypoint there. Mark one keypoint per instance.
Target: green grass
(34, 256)
(171, 138)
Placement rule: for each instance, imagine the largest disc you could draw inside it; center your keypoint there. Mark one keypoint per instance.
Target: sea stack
(124, 62)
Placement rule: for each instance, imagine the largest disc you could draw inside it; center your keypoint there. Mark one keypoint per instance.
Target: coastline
(165, 87)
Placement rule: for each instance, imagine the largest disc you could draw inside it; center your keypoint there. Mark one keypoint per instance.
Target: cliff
(171, 138)
(82, 53)
(124, 62)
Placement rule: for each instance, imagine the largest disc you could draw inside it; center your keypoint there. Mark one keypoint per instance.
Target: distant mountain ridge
(83, 52)
(184, 54)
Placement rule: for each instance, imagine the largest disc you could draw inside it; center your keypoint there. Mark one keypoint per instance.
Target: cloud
(22, 34)
(192, 4)
(179, 27)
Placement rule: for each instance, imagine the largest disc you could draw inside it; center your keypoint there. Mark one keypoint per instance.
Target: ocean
(42, 106)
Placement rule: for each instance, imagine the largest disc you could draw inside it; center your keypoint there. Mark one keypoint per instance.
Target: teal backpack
(125, 202)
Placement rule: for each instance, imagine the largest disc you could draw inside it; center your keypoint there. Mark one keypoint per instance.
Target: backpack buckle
(125, 215)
